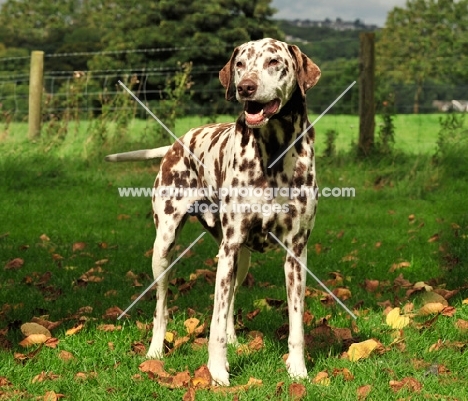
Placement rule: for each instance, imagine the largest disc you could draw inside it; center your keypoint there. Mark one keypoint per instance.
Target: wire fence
(88, 91)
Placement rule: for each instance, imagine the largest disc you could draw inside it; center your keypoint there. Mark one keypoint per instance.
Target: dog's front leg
(295, 288)
(224, 290)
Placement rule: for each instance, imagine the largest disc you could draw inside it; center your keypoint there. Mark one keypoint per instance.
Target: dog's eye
(273, 63)
(240, 64)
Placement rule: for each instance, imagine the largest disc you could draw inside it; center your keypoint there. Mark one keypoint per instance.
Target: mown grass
(65, 191)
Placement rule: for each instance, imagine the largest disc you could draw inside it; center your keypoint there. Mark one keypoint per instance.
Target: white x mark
(160, 122)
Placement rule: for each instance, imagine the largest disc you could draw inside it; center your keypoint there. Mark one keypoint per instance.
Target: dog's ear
(226, 76)
(307, 72)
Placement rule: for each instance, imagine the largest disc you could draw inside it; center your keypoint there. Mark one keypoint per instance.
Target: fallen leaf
(202, 378)
(409, 383)
(52, 396)
(33, 339)
(434, 238)
(462, 324)
(52, 342)
(113, 313)
(191, 324)
(14, 264)
(371, 285)
(342, 293)
(361, 350)
(400, 265)
(44, 238)
(75, 329)
(65, 355)
(43, 376)
(347, 375)
(4, 381)
(431, 308)
(322, 379)
(363, 392)
(190, 394)
(154, 366)
(395, 320)
(34, 328)
(109, 327)
(78, 246)
(297, 391)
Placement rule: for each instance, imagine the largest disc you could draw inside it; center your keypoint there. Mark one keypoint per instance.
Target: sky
(368, 11)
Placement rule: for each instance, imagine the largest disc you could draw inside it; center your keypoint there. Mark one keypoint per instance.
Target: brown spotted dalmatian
(270, 78)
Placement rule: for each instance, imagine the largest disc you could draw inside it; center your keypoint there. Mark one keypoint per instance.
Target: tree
(424, 41)
(203, 32)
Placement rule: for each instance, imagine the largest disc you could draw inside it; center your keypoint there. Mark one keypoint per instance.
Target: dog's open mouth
(258, 114)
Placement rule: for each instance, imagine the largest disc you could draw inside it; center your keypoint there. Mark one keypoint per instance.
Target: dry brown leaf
(347, 375)
(33, 328)
(46, 323)
(113, 313)
(361, 350)
(363, 392)
(14, 264)
(297, 391)
(52, 342)
(465, 301)
(462, 324)
(52, 396)
(434, 238)
(431, 308)
(44, 238)
(202, 378)
(75, 329)
(33, 339)
(400, 265)
(190, 394)
(395, 320)
(43, 376)
(409, 383)
(437, 346)
(85, 375)
(235, 389)
(154, 366)
(78, 246)
(371, 285)
(109, 327)
(322, 379)
(65, 355)
(191, 324)
(342, 293)
(4, 381)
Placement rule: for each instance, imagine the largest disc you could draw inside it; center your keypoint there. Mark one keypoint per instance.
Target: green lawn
(407, 224)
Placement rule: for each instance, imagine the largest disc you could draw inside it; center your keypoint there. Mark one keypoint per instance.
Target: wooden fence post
(366, 93)
(36, 81)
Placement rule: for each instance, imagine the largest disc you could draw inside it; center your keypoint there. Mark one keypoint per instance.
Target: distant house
(338, 24)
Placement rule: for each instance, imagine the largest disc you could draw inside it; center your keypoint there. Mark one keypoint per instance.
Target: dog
(269, 147)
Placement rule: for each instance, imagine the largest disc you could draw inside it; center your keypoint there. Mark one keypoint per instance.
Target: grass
(64, 191)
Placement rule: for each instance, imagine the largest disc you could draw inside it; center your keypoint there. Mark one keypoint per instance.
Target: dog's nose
(246, 88)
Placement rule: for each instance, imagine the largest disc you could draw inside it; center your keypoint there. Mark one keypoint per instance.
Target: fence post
(366, 93)
(36, 81)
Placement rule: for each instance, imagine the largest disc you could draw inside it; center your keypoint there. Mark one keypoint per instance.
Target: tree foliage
(425, 40)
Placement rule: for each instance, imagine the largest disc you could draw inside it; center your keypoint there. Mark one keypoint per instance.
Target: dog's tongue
(256, 113)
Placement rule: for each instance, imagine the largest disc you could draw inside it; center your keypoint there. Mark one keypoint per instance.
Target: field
(72, 251)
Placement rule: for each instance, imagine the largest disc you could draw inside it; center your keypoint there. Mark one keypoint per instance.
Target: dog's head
(264, 74)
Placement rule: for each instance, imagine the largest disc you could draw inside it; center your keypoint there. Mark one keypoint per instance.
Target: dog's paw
(296, 368)
(219, 374)
(154, 353)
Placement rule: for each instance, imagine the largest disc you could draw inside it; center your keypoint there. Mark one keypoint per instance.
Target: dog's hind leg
(165, 240)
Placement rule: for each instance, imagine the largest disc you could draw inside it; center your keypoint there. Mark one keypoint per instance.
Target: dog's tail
(136, 155)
